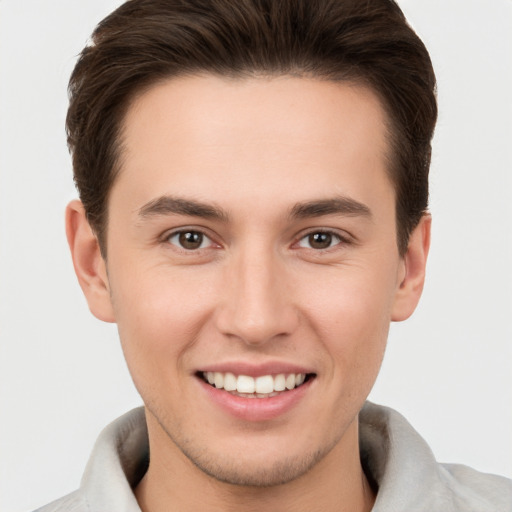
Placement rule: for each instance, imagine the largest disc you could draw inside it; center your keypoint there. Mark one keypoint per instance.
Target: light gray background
(62, 374)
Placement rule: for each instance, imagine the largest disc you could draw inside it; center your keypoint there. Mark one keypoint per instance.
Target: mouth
(263, 386)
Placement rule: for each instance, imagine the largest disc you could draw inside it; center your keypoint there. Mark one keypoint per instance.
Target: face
(253, 269)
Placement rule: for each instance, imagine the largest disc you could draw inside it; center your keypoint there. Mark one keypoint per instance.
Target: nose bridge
(258, 306)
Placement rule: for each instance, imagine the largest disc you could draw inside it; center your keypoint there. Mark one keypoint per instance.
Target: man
(253, 181)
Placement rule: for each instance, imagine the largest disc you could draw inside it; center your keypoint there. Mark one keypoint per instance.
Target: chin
(257, 465)
(249, 473)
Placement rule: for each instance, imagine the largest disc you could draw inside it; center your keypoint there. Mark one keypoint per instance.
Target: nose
(257, 303)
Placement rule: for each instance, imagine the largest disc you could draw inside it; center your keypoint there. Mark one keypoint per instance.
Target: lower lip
(256, 409)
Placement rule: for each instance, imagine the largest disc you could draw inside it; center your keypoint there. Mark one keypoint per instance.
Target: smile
(264, 386)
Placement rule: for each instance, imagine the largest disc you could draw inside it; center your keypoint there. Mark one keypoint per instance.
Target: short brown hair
(146, 41)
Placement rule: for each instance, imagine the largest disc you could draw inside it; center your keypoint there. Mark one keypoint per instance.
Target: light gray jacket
(408, 477)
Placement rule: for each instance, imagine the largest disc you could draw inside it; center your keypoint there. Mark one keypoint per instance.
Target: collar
(395, 458)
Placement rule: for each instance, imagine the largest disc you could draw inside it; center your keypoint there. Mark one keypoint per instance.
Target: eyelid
(168, 234)
(343, 237)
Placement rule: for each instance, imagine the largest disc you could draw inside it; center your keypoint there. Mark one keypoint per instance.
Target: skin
(258, 290)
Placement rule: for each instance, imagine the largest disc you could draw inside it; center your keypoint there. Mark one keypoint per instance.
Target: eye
(190, 240)
(320, 240)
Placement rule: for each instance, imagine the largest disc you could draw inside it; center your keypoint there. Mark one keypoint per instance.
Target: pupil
(191, 239)
(320, 240)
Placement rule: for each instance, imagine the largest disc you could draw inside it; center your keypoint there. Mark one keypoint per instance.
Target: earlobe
(414, 263)
(89, 264)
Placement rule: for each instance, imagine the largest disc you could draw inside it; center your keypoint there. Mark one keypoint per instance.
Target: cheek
(351, 315)
(159, 317)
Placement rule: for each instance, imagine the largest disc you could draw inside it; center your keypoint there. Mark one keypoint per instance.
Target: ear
(412, 271)
(89, 264)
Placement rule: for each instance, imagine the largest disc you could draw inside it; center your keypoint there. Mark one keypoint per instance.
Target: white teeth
(280, 382)
(230, 382)
(263, 386)
(290, 381)
(245, 384)
(219, 380)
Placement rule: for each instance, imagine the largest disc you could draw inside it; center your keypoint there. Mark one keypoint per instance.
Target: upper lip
(255, 370)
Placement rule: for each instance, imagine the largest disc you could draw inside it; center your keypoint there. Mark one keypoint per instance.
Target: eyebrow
(169, 205)
(335, 206)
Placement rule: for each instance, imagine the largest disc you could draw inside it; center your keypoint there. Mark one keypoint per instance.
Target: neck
(172, 483)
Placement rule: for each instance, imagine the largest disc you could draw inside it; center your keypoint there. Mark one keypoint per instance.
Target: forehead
(257, 106)
(256, 135)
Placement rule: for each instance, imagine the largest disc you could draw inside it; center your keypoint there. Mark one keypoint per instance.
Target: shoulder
(117, 462)
(408, 476)
(74, 502)
(483, 491)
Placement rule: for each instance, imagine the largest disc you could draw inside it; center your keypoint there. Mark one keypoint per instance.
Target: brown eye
(320, 240)
(190, 240)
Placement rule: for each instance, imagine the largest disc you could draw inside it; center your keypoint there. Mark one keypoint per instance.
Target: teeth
(245, 384)
(290, 381)
(264, 384)
(219, 380)
(259, 387)
(280, 382)
(230, 382)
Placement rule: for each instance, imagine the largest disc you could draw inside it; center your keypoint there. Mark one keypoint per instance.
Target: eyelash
(183, 232)
(333, 236)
